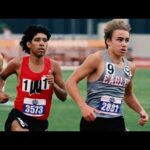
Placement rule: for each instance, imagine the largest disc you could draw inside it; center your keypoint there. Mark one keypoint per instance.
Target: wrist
(141, 112)
(82, 105)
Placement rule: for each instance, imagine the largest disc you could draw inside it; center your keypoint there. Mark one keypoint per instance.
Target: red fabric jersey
(34, 94)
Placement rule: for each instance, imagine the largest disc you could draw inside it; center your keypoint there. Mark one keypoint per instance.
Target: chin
(40, 55)
(122, 54)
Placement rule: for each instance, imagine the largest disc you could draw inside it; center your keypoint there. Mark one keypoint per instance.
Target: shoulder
(92, 62)
(54, 64)
(16, 61)
(95, 58)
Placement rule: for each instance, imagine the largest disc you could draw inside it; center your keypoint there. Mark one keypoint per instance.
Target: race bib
(110, 105)
(34, 107)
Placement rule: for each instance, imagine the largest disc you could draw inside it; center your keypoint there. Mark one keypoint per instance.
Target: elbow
(69, 84)
(64, 97)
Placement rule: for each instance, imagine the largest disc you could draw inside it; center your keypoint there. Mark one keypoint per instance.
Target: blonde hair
(113, 25)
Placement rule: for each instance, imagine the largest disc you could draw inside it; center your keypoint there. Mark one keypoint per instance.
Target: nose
(42, 42)
(124, 43)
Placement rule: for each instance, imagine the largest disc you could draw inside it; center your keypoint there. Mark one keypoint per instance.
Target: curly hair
(29, 34)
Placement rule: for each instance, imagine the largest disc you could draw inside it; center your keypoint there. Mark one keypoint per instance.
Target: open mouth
(123, 50)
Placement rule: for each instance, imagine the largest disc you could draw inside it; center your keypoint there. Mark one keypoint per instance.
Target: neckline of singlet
(124, 63)
(33, 71)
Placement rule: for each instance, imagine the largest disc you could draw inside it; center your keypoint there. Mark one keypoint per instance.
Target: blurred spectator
(7, 32)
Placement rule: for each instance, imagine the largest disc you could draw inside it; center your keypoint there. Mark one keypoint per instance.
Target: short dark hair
(29, 34)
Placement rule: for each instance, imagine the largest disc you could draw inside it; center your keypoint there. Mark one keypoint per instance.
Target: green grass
(65, 116)
(141, 89)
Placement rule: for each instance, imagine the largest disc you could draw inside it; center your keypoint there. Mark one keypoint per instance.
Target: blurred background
(71, 42)
(73, 39)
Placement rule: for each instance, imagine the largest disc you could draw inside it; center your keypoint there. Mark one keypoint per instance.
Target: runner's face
(38, 45)
(119, 42)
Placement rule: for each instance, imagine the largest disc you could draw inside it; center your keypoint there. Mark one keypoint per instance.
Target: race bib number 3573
(34, 107)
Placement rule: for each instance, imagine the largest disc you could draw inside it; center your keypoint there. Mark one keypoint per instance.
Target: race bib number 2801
(110, 105)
